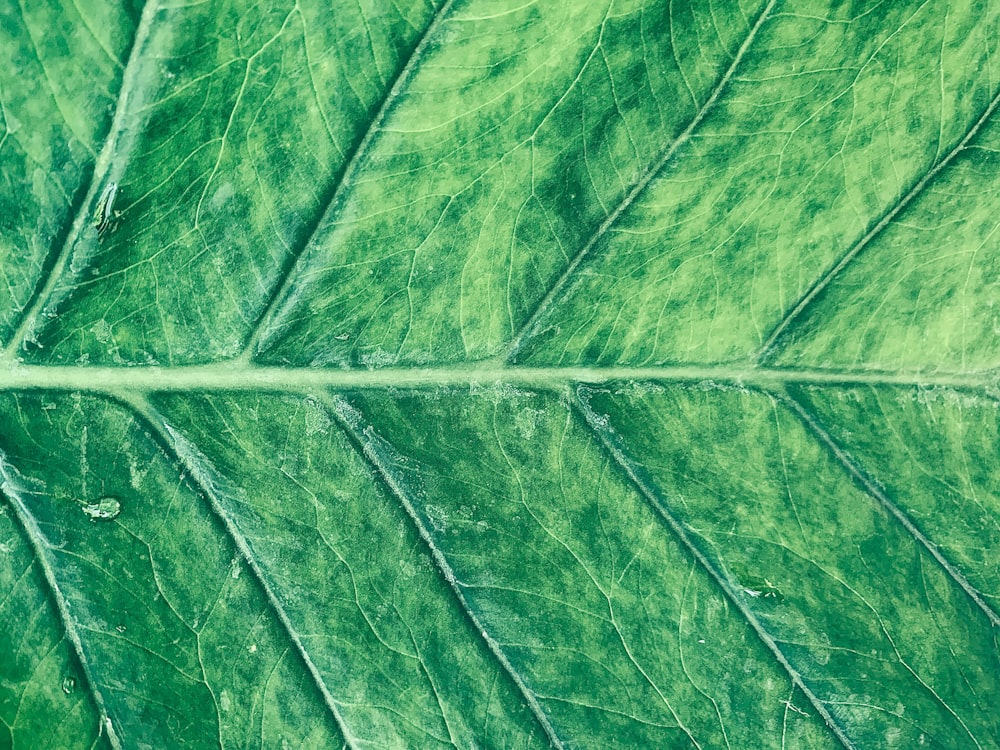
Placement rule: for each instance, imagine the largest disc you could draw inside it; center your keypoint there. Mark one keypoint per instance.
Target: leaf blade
(854, 595)
(360, 619)
(543, 575)
(150, 588)
(425, 544)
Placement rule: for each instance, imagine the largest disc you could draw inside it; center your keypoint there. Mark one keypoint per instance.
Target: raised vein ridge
(239, 377)
(54, 266)
(857, 473)
(40, 547)
(638, 187)
(652, 496)
(201, 476)
(347, 419)
(282, 301)
(773, 343)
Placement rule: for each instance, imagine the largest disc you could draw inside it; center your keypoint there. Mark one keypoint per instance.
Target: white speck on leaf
(102, 331)
(103, 509)
(317, 419)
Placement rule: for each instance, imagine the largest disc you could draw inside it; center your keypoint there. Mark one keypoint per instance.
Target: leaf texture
(479, 374)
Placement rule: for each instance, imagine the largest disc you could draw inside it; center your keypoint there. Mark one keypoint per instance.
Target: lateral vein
(652, 497)
(773, 344)
(199, 475)
(871, 489)
(282, 300)
(556, 291)
(45, 293)
(40, 548)
(342, 413)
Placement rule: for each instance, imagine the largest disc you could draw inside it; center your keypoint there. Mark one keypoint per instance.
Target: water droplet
(68, 684)
(103, 508)
(120, 628)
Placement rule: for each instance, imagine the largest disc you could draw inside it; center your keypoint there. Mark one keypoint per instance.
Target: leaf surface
(484, 374)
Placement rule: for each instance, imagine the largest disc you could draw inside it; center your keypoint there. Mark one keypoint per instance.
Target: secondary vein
(200, 477)
(364, 444)
(652, 496)
(282, 301)
(772, 344)
(55, 265)
(851, 467)
(40, 548)
(558, 288)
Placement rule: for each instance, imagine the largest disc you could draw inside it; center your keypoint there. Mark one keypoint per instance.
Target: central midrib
(243, 377)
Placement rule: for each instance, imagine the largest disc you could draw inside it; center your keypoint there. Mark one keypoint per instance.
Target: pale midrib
(247, 377)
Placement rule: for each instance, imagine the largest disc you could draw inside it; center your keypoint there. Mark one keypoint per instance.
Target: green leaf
(487, 374)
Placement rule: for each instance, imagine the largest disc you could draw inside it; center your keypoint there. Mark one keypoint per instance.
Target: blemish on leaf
(222, 196)
(527, 421)
(438, 518)
(102, 331)
(105, 508)
(317, 419)
(136, 473)
(761, 588)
